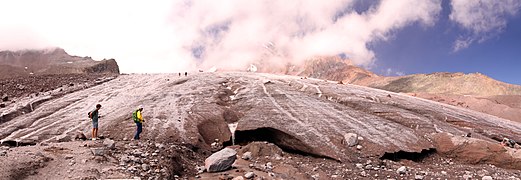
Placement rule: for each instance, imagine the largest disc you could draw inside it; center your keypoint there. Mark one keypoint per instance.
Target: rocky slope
(50, 61)
(473, 91)
(294, 128)
(336, 69)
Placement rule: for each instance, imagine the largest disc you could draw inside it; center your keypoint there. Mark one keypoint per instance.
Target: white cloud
(392, 72)
(159, 36)
(462, 43)
(298, 29)
(483, 18)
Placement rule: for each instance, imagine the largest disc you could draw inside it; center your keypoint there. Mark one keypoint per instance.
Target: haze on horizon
(386, 36)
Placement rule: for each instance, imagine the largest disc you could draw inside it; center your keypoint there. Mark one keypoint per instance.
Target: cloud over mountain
(483, 18)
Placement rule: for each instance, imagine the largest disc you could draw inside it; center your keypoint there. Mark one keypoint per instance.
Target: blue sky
(418, 49)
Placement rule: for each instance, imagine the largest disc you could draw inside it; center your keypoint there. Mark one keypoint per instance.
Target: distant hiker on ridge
(94, 115)
(138, 119)
(186, 73)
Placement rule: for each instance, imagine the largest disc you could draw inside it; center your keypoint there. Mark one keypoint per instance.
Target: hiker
(179, 74)
(138, 119)
(186, 73)
(94, 115)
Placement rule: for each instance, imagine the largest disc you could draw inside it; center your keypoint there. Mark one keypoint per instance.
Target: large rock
(80, 136)
(221, 160)
(63, 138)
(98, 151)
(475, 151)
(110, 144)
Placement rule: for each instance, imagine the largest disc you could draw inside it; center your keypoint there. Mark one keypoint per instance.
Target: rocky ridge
(50, 61)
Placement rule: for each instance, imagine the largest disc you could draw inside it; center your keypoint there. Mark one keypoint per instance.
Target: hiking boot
(93, 139)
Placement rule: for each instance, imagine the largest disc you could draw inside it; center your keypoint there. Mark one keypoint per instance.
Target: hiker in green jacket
(137, 116)
(94, 115)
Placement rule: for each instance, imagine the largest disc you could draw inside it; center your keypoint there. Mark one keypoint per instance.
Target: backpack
(89, 115)
(134, 116)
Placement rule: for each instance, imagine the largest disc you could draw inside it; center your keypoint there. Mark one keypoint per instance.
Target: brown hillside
(50, 61)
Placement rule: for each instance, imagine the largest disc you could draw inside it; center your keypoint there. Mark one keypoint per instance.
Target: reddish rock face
(476, 151)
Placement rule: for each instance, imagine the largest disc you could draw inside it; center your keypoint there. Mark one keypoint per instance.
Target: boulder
(220, 160)
(110, 144)
(80, 136)
(98, 151)
(351, 139)
(63, 138)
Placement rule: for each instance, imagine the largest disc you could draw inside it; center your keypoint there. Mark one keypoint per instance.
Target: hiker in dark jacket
(137, 116)
(94, 115)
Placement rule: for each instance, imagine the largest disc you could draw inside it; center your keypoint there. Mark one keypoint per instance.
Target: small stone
(238, 178)
(487, 178)
(351, 139)
(467, 177)
(359, 147)
(125, 139)
(145, 167)
(444, 173)
(132, 169)
(418, 177)
(249, 175)
(200, 169)
(401, 170)
(246, 156)
(360, 166)
(269, 166)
